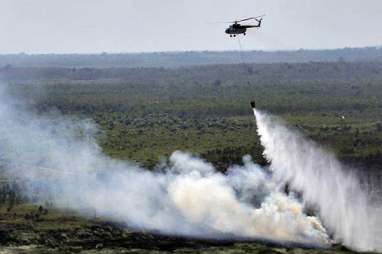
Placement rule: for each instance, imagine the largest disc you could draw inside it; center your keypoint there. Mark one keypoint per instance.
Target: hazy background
(91, 26)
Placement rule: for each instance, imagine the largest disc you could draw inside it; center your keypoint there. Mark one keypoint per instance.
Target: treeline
(192, 58)
(218, 73)
(10, 195)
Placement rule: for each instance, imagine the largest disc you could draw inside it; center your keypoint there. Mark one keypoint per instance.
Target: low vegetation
(144, 114)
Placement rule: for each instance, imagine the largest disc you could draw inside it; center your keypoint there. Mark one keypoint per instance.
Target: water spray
(324, 183)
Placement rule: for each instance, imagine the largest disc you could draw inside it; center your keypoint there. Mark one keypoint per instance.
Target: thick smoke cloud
(55, 158)
(343, 206)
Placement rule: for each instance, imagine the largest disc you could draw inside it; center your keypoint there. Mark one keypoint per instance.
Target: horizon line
(188, 51)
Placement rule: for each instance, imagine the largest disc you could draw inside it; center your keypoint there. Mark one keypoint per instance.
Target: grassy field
(145, 114)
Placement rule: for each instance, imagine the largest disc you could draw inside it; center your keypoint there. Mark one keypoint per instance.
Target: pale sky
(93, 26)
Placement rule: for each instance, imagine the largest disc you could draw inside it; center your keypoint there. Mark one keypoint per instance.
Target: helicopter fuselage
(236, 29)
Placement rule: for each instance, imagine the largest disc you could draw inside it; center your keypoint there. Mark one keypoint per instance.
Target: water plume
(334, 190)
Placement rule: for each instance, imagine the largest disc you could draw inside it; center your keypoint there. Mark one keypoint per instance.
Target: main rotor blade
(251, 18)
(236, 21)
(221, 22)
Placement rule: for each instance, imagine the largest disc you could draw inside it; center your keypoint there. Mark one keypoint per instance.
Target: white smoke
(334, 190)
(59, 161)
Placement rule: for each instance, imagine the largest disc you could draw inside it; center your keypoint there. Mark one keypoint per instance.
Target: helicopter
(236, 28)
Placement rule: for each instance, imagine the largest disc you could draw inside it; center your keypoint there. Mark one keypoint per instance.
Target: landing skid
(234, 35)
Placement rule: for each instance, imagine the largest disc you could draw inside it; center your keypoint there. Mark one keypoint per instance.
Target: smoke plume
(55, 158)
(326, 184)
